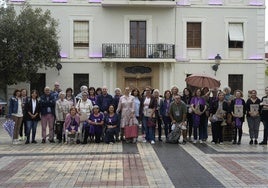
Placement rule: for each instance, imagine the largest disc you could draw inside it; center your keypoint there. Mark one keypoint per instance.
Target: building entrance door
(139, 83)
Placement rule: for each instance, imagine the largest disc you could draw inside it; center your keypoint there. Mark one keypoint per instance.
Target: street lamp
(215, 67)
(59, 67)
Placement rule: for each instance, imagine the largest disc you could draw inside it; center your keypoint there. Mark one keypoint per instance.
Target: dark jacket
(46, 103)
(163, 106)
(215, 104)
(244, 108)
(249, 102)
(104, 101)
(29, 109)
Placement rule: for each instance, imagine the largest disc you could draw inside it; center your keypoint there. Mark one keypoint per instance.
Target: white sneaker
(152, 142)
(221, 143)
(200, 141)
(194, 141)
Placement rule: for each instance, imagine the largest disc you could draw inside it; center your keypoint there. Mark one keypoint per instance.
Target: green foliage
(266, 71)
(28, 41)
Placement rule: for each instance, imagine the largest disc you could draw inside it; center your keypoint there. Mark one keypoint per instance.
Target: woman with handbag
(218, 109)
(147, 111)
(128, 121)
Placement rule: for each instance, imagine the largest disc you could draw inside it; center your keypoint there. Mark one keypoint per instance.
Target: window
(235, 81)
(193, 35)
(81, 33)
(80, 80)
(236, 35)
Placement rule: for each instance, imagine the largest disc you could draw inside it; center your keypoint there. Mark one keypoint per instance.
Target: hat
(95, 106)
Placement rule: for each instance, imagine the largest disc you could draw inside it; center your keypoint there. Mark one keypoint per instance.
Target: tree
(28, 41)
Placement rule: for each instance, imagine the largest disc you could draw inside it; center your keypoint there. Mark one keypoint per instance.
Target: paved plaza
(133, 165)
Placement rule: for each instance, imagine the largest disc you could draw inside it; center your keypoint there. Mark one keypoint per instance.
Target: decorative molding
(94, 1)
(138, 69)
(59, 1)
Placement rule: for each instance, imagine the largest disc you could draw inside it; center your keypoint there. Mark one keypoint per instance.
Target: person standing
(158, 117)
(32, 116)
(264, 116)
(178, 115)
(218, 109)
(137, 101)
(147, 112)
(15, 113)
(238, 110)
(164, 112)
(126, 107)
(253, 116)
(62, 109)
(47, 104)
(23, 127)
(70, 97)
(186, 98)
(92, 95)
(104, 100)
(55, 92)
(199, 107)
(84, 108)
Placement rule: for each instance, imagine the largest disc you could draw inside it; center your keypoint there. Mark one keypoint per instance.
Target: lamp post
(215, 67)
(59, 67)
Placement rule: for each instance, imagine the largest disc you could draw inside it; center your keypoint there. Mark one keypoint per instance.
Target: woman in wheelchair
(111, 121)
(72, 130)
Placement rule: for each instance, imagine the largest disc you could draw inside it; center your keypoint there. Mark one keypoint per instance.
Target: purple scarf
(238, 122)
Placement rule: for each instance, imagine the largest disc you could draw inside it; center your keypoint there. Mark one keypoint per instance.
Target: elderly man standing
(104, 100)
(47, 104)
(178, 115)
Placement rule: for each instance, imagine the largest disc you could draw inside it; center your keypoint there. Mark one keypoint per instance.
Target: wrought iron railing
(161, 50)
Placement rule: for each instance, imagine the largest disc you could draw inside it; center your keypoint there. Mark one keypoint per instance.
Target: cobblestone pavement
(132, 165)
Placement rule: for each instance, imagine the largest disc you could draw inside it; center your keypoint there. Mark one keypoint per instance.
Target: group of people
(94, 115)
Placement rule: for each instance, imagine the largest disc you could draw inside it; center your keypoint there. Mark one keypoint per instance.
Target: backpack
(174, 136)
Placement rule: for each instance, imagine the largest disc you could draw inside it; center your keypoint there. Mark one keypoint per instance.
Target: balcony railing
(160, 51)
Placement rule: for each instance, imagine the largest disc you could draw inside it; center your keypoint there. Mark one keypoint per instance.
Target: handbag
(151, 122)
(131, 131)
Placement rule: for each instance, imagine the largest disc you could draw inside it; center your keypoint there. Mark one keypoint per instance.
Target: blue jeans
(149, 131)
(31, 125)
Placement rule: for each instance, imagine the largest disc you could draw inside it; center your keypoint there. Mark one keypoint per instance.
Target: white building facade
(137, 43)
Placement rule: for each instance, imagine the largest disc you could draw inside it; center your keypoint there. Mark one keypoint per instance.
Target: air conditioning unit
(109, 49)
(160, 47)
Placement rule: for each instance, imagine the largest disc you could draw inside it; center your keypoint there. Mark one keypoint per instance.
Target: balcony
(141, 3)
(155, 51)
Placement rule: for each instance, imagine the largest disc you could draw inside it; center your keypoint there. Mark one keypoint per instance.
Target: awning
(236, 32)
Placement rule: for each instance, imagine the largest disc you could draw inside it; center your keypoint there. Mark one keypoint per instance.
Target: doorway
(137, 39)
(139, 83)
